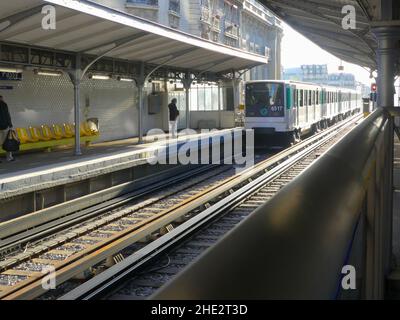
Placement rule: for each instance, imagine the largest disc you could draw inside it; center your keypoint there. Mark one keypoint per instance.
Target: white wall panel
(41, 100)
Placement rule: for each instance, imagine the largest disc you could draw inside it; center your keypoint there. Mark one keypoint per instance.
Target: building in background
(244, 24)
(262, 33)
(319, 74)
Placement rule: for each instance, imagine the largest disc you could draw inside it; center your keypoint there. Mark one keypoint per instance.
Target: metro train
(289, 109)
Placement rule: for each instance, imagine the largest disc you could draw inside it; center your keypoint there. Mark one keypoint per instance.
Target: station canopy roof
(88, 28)
(321, 22)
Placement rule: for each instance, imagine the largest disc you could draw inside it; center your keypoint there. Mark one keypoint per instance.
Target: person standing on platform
(5, 125)
(173, 118)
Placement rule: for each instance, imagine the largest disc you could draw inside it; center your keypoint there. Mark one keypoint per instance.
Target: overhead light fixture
(125, 79)
(99, 77)
(48, 73)
(11, 70)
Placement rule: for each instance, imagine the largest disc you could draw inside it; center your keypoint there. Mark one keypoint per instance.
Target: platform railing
(327, 230)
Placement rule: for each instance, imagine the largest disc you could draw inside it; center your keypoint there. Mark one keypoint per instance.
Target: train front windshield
(265, 99)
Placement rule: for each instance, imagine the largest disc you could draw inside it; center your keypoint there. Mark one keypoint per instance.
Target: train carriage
(293, 109)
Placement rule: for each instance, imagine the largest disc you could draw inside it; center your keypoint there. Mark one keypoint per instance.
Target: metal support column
(140, 84)
(187, 83)
(77, 104)
(387, 52)
(236, 94)
(219, 106)
(76, 78)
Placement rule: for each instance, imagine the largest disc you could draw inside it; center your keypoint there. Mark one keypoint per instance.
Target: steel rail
(99, 286)
(77, 265)
(41, 230)
(297, 251)
(35, 227)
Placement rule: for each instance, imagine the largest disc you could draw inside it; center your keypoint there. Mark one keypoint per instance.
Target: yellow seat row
(50, 136)
(55, 132)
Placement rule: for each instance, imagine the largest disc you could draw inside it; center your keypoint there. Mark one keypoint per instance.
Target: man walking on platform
(5, 125)
(173, 118)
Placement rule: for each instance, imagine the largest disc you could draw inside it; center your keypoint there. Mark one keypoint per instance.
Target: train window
(301, 98)
(265, 99)
(309, 97)
(298, 97)
(294, 98)
(289, 98)
(305, 97)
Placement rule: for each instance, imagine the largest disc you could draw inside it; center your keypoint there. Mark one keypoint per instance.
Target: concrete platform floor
(39, 160)
(44, 170)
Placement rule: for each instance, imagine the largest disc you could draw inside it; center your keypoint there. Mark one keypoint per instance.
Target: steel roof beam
(325, 28)
(12, 20)
(211, 66)
(311, 10)
(344, 54)
(327, 34)
(173, 56)
(36, 25)
(74, 29)
(304, 6)
(117, 43)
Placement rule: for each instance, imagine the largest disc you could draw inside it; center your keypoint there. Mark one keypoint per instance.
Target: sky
(298, 50)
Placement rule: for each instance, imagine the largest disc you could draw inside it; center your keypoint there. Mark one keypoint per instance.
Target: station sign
(10, 76)
(6, 87)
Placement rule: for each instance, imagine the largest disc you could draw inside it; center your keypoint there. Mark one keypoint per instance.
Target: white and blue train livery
(293, 109)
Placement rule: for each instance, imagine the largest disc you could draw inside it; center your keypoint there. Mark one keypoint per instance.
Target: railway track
(80, 247)
(144, 271)
(88, 233)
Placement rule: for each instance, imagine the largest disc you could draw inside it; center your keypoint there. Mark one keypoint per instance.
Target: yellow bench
(47, 137)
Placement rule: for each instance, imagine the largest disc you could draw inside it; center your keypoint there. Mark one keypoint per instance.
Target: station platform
(41, 170)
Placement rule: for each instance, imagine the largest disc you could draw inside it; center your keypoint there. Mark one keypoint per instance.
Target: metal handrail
(294, 247)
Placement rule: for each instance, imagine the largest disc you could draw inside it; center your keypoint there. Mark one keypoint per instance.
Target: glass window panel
(208, 103)
(193, 99)
(215, 98)
(201, 99)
